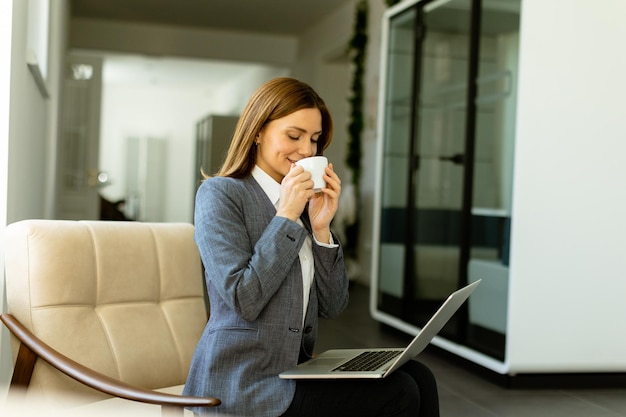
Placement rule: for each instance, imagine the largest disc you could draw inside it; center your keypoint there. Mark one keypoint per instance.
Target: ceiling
(286, 17)
(278, 17)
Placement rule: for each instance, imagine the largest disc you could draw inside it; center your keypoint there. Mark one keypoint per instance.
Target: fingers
(332, 179)
(297, 175)
(323, 205)
(296, 190)
(299, 185)
(296, 179)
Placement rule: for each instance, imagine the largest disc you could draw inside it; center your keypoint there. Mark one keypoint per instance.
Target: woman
(273, 267)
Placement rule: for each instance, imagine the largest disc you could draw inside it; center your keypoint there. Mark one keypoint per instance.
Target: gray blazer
(254, 282)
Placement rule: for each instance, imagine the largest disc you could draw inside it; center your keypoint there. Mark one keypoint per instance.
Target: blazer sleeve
(331, 280)
(246, 250)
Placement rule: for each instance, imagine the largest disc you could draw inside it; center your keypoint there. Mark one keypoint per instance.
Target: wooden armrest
(95, 379)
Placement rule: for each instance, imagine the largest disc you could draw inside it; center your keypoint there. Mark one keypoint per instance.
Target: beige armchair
(101, 309)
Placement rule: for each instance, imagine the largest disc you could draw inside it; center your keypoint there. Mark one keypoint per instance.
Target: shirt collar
(267, 183)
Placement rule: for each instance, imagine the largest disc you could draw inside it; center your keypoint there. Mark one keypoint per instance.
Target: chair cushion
(103, 408)
(121, 407)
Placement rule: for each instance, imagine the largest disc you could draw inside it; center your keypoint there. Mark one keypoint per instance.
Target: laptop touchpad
(325, 361)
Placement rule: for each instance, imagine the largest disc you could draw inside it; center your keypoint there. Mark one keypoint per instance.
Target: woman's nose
(307, 148)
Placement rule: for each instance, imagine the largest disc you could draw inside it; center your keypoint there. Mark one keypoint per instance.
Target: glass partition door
(495, 109)
(423, 159)
(447, 140)
(440, 154)
(396, 162)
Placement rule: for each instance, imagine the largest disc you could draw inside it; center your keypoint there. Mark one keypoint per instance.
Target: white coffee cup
(316, 166)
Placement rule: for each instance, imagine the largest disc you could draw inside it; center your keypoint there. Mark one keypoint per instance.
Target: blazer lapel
(259, 196)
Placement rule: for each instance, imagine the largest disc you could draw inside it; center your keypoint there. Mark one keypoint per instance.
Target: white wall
(59, 16)
(6, 15)
(27, 140)
(27, 160)
(568, 269)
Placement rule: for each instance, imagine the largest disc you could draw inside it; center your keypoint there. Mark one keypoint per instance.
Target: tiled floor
(462, 393)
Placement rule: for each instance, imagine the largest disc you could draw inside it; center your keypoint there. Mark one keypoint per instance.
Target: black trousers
(409, 391)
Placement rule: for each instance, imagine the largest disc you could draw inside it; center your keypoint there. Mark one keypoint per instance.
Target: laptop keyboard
(368, 361)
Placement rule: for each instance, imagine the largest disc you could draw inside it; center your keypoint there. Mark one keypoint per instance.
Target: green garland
(357, 48)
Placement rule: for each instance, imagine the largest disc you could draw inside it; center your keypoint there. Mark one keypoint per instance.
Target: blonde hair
(275, 99)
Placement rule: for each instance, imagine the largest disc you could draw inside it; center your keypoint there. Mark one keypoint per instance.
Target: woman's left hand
(323, 205)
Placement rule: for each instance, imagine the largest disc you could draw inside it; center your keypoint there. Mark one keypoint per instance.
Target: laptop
(377, 362)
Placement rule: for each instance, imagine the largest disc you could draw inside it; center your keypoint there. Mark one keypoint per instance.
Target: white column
(6, 17)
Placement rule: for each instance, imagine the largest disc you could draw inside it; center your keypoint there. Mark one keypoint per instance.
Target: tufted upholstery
(123, 298)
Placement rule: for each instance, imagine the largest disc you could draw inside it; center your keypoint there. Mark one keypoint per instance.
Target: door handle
(97, 179)
(457, 159)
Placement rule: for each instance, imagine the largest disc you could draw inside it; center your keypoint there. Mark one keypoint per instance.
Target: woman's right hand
(296, 189)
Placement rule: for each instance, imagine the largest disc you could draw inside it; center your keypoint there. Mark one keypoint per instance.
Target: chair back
(123, 298)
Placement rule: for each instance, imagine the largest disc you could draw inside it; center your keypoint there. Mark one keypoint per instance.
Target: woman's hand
(323, 205)
(295, 190)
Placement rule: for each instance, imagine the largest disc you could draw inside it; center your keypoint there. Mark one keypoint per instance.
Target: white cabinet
(553, 287)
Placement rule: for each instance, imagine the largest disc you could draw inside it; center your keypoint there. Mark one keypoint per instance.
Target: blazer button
(308, 329)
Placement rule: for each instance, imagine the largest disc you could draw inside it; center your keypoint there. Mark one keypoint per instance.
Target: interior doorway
(159, 100)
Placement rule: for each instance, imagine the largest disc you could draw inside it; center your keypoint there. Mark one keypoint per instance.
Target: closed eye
(313, 140)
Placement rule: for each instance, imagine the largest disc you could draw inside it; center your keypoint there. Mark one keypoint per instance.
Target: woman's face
(287, 140)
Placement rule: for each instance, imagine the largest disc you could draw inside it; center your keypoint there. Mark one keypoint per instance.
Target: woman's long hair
(275, 99)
